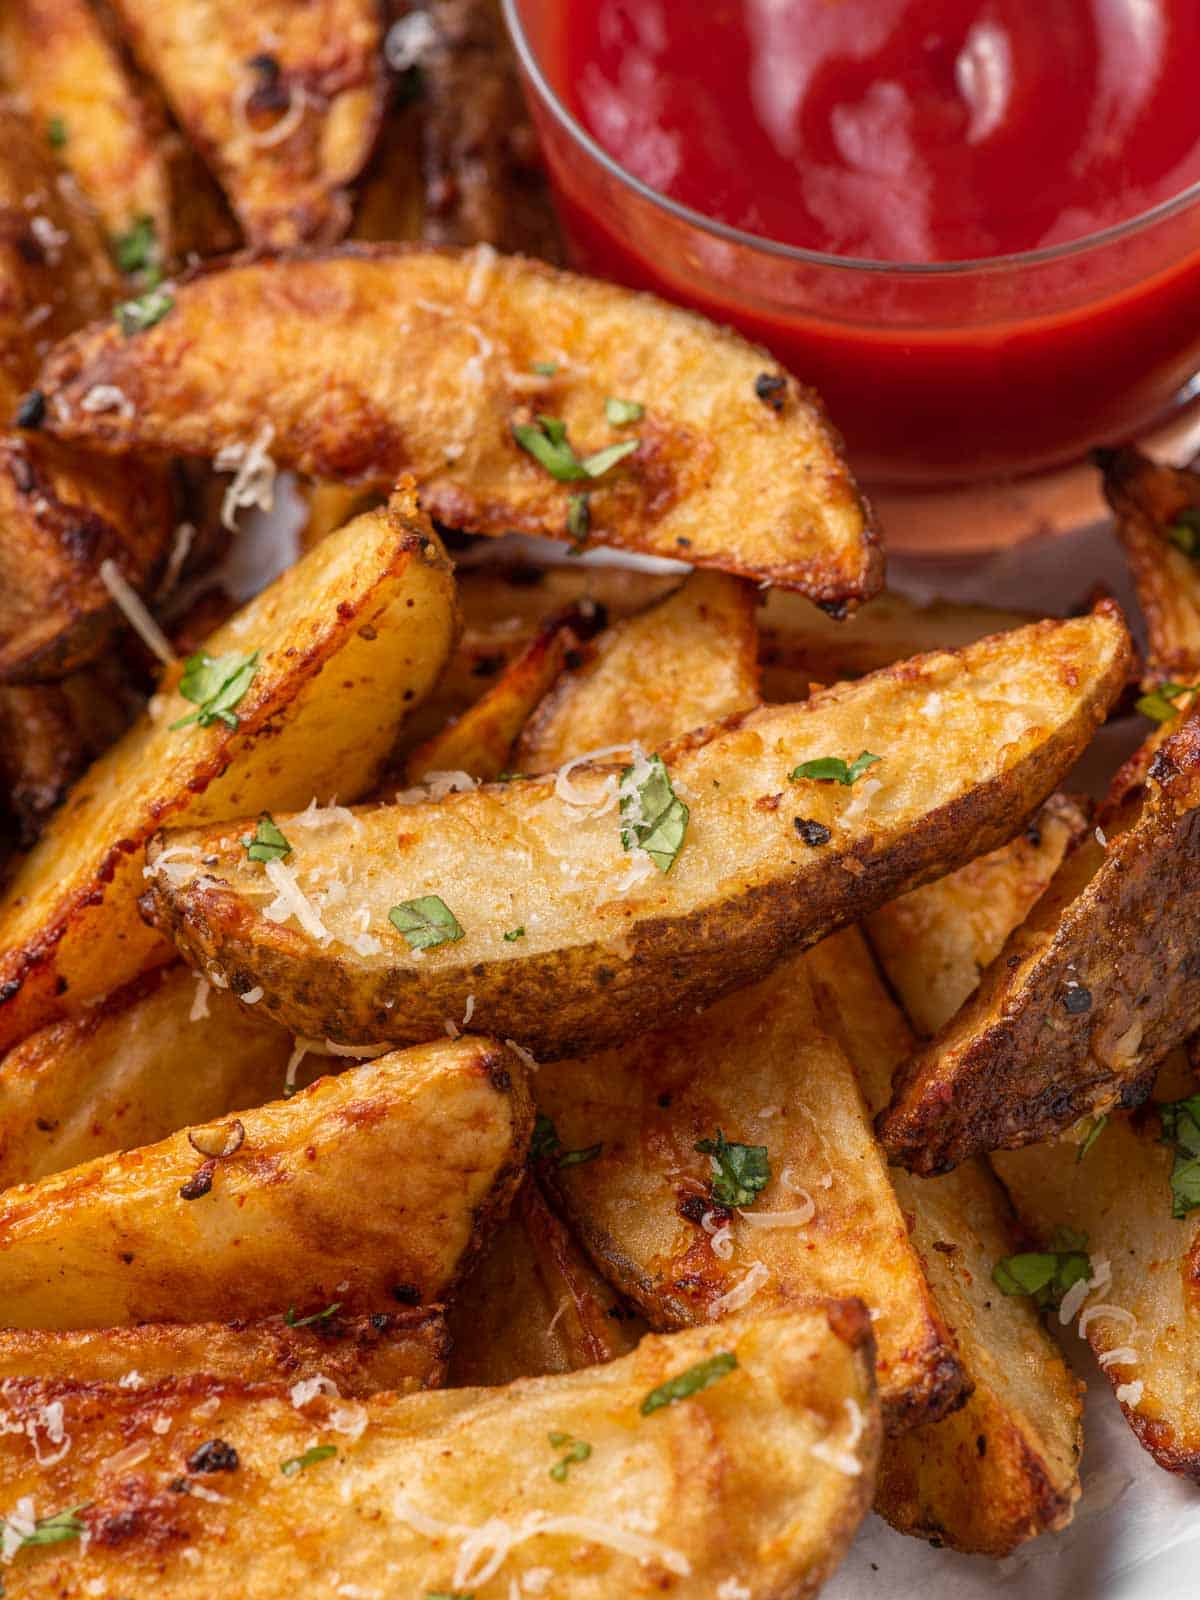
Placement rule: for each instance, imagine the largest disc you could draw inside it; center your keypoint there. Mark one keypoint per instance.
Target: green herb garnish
(56, 133)
(740, 1172)
(656, 820)
(1046, 1275)
(546, 441)
(57, 1529)
(1181, 1129)
(295, 1464)
(1184, 532)
(690, 1382)
(515, 934)
(215, 684)
(318, 1316)
(135, 316)
(547, 1146)
(1097, 1128)
(832, 769)
(576, 1158)
(1158, 703)
(268, 843)
(619, 412)
(577, 1450)
(137, 252)
(544, 369)
(426, 922)
(579, 519)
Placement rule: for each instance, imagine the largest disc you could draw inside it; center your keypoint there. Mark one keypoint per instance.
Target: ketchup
(899, 130)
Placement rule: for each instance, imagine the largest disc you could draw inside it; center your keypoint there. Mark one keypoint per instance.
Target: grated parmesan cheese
(408, 41)
(1130, 1394)
(484, 259)
(741, 1294)
(306, 1390)
(290, 901)
(131, 1380)
(126, 598)
(107, 397)
(1104, 1309)
(732, 1589)
(1123, 1356)
(122, 1460)
(316, 816)
(200, 1001)
(251, 997)
(799, 1217)
(468, 1011)
(254, 476)
(1072, 1301)
(522, 1055)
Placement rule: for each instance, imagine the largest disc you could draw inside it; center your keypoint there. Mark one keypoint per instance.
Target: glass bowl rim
(1043, 256)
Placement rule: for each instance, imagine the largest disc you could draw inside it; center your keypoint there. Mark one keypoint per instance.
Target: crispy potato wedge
(611, 947)
(718, 475)
(371, 607)
(403, 1351)
(533, 1304)
(761, 1067)
(158, 1055)
(283, 102)
(372, 1186)
(800, 645)
(1084, 1000)
(109, 132)
(760, 1478)
(690, 659)
(480, 742)
(1150, 501)
(934, 943)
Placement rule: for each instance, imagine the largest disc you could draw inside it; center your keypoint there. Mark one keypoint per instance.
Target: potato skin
(738, 897)
(759, 492)
(730, 1484)
(1148, 498)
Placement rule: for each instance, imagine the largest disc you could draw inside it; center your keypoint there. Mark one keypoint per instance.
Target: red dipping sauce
(926, 208)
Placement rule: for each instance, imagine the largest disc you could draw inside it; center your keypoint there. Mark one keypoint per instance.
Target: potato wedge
(282, 101)
(1156, 507)
(969, 744)
(157, 1055)
(1005, 1467)
(481, 741)
(362, 1189)
(399, 1350)
(800, 645)
(717, 476)
(760, 1067)
(371, 607)
(533, 1304)
(689, 660)
(1086, 997)
(760, 1479)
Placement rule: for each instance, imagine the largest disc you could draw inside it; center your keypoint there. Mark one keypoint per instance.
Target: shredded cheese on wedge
(741, 1294)
(130, 603)
(291, 901)
(1130, 1394)
(254, 476)
(799, 1217)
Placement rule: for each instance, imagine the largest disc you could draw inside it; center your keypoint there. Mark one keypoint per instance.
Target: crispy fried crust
(719, 475)
(1085, 999)
(1005, 1467)
(282, 101)
(601, 965)
(405, 1351)
(761, 1478)
(534, 1304)
(372, 607)
(363, 1189)
(1148, 499)
(761, 1067)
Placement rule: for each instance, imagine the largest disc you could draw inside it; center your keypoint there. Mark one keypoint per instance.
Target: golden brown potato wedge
(759, 1479)
(533, 1304)
(160, 1054)
(1158, 523)
(371, 609)
(761, 1068)
(1086, 997)
(801, 645)
(399, 1350)
(74, 83)
(282, 101)
(480, 742)
(716, 476)
(689, 660)
(363, 1189)
(1005, 1467)
(969, 744)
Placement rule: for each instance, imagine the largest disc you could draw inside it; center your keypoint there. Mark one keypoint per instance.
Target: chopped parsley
(740, 1172)
(215, 684)
(449, 1594)
(577, 1450)
(656, 819)
(514, 934)
(1181, 1129)
(621, 412)
(579, 519)
(135, 316)
(137, 252)
(426, 922)
(317, 1452)
(832, 769)
(56, 133)
(57, 1529)
(1184, 532)
(1097, 1128)
(268, 843)
(547, 1146)
(1046, 1275)
(691, 1382)
(544, 369)
(546, 441)
(576, 1158)
(318, 1316)
(1159, 705)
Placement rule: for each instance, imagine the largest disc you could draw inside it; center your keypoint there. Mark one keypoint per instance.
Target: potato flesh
(361, 1189)
(725, 1485)
(1005, 718)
